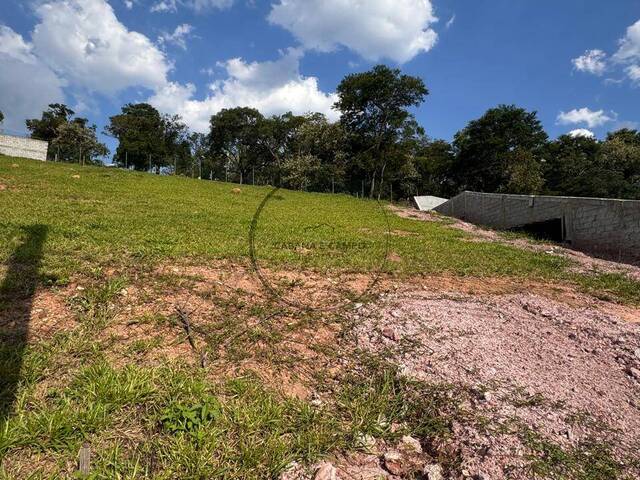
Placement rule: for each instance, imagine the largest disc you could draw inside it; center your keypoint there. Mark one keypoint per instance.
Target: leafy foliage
(179, 418)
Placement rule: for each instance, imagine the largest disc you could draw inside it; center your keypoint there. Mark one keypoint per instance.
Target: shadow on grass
(16, 299)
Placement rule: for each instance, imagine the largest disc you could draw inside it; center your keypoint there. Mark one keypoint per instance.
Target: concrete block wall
(23, 147)
(591, 224)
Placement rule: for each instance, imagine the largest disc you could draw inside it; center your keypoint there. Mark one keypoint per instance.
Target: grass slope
(98, 216)
(169, 418)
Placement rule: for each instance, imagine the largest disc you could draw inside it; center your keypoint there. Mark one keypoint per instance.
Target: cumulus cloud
(27, 85)
(581, 132)
(629, 52)
(629, 44)
(593, 61)
(584, 115)
(83, 41)
(273, 87)
(178, 37)
(397, 30)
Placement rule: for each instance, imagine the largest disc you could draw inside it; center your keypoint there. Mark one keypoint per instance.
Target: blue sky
(577, 62)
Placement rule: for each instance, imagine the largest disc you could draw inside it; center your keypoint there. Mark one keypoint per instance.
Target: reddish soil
(534, 361)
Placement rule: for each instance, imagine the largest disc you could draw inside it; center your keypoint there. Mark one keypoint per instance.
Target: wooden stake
(84, 459)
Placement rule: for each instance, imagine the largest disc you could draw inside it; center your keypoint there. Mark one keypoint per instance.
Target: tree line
(376, 149)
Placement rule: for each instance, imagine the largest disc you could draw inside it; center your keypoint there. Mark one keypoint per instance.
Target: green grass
(111, 217)
(176, 421)
(165, 419)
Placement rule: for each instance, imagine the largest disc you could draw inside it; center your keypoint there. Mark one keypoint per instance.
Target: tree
(46, 128)
(75, 142)
(200, 158)
(140, 131)
(434, 163)
(524, 173)
(572, 167)
(300, 171)
(234, 137)
(374, 112)
(487, 148)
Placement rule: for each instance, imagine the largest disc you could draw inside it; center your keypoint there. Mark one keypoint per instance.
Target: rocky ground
(553, 376)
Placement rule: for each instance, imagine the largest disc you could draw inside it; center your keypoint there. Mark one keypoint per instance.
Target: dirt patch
(536, 363)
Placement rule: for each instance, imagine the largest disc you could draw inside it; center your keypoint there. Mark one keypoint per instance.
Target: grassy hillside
(101, 268)
(99, 216)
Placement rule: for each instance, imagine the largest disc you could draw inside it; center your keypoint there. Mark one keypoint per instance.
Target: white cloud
(27, 85)
(629, 44)
(450, 22)
(85, 43)
(633, 72)
(398, 30)
(273, 87)
(128, 4)
(197, 5)
(629, 52)
(584, 115)
(164, 6)
(178, 37)
(593, 61)
(581, 132)
(203, 5)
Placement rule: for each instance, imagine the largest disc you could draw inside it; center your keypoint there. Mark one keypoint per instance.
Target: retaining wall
(599, 225)
(23, 147)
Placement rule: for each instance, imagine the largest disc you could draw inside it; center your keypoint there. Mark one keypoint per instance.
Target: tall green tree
(235, 139)
(374, 108)
(435, 162)
(140, 131)
(489, 149)
(76, 142)
(46, 127)
(572, 168)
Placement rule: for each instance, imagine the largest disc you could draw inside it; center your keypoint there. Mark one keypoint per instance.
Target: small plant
(189, 419)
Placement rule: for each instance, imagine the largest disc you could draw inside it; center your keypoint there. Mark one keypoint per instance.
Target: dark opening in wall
(552, 230)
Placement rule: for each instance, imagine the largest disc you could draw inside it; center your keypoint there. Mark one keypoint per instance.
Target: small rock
(75, 176)
(365, 441)
(393, 463)
(357, 306)
(325, 471)
(637, 353)
(396, 314)
(390, 333)
(634, 372)
(432, 472)
(411, 444)
(486, 396)
(481, 476)
(80, 288)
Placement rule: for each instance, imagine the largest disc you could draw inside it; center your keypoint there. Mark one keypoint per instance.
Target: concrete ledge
(604, 225)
